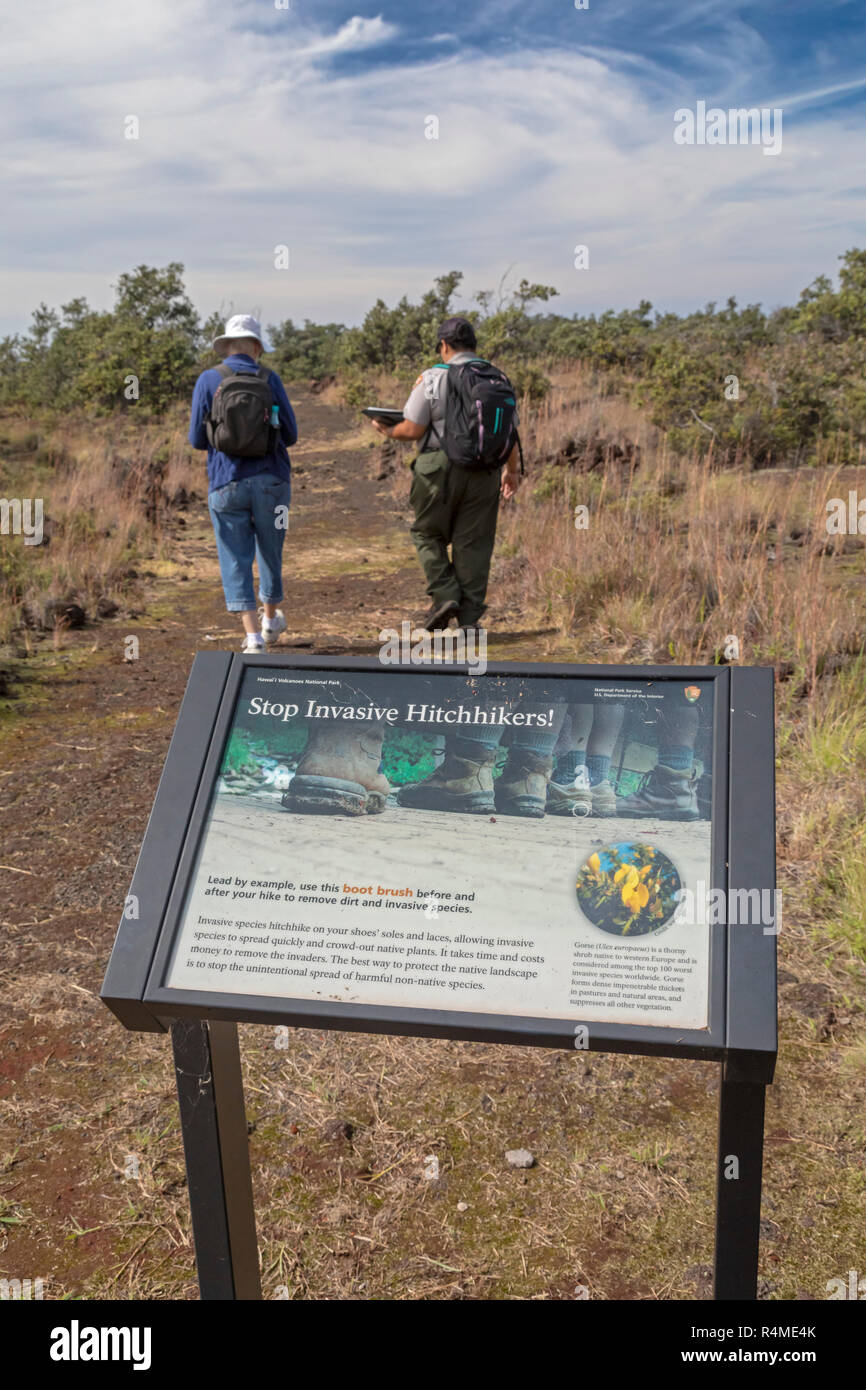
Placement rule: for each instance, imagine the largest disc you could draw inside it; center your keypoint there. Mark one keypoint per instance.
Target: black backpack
(480, 428)
(239, 422)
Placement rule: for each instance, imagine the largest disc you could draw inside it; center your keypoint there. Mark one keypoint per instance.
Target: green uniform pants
(458, 507)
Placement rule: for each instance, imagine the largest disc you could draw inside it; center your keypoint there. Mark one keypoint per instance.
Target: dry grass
(678, 556)
(822, 809)
(108, 490)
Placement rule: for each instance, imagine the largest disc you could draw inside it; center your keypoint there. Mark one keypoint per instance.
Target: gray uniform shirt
(426, 403)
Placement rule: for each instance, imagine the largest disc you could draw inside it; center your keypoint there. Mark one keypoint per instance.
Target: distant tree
(311, 351)
(11, 372)
(154, 336)
(211, 329)
(84, 359)
(835, 314)
(404, 336)
(509, 330)
(38, 340)
(156, 299)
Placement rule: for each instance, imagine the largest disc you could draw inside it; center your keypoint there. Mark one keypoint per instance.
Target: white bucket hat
(241, 326)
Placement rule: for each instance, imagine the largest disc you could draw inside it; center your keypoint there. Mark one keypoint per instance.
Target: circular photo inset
(628, 889)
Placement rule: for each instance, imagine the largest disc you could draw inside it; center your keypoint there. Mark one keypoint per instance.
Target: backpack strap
(224, 372)
(520, 452)
(431, 428)
(425, 438)
(264, 374)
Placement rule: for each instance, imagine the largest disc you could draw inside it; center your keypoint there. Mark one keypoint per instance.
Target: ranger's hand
(510, 483)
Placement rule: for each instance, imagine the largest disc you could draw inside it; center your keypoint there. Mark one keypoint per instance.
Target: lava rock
(59, 612)
(519, 1158)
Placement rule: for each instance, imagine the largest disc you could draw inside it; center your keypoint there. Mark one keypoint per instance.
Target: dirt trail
(349, 564)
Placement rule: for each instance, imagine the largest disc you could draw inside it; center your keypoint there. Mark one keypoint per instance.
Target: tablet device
(383, 413)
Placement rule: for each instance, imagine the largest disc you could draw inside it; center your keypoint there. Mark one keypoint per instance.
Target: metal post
(214, 1126)
(738, 1188)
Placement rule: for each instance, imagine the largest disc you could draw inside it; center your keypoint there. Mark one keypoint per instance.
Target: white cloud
(355, 35)
(250, 138)
(820, 93)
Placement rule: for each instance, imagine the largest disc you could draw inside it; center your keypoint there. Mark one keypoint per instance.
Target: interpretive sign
(421, 893)
(578, 857)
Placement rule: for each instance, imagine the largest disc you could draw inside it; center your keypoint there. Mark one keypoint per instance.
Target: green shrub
(528, 380)
(311, 352)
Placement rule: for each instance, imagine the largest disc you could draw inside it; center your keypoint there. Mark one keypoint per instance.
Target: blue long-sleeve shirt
(224, 468)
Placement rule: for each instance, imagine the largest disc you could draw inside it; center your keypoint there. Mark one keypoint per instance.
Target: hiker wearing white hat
(242, 416)
(240, 326)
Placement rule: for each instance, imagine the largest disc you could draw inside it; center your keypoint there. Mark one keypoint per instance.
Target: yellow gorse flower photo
(628, 889)
(635, 895)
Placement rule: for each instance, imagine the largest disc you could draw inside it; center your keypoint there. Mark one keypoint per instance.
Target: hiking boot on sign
(340, 774)
(460, 784)
(522, 788)
(570, 798)
(603, 799)
(668, 792)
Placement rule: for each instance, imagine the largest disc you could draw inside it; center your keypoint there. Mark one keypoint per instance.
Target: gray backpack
(239, 423)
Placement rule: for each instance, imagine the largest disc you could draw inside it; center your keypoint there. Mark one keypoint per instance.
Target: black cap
(457, 333)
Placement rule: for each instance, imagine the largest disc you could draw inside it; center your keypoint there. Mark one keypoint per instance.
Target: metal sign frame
(742, 994)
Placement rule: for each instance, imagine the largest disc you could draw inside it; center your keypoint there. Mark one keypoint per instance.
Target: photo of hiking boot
(667, 792)
(460, 784)
(572, 798)
(603, 799)
(522, 788)
(339, 774)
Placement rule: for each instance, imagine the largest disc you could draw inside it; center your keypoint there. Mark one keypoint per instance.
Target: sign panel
(510, 845)
(553, 855)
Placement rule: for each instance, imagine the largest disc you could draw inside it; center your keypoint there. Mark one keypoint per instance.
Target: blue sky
(305, 127)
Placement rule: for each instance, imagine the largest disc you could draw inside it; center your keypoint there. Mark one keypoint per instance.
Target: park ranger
(453, 504)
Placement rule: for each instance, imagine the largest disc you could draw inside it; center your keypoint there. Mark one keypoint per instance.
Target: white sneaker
(272, 627)
(570, 799)
(253, 643)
